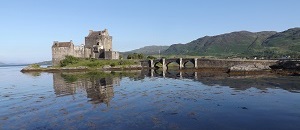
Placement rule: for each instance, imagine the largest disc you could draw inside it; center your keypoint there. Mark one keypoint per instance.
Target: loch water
(148, 99)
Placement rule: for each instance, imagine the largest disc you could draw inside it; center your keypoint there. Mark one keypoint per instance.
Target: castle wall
(115, 55)
(111, 55)
(79, 51)
(59, 53)
(107, 42)
(90, 41)
(102, 40)
(87, 53)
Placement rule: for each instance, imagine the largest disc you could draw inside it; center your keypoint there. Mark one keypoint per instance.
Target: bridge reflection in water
(100, 86)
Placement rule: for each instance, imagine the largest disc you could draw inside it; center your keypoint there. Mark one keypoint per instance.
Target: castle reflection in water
(98, 90)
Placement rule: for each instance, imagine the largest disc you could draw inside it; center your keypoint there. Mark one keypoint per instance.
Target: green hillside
(147, 50)
(284, 43)
(268, 44)
(230, 44)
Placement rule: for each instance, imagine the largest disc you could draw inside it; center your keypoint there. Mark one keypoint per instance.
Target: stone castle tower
(98, 44)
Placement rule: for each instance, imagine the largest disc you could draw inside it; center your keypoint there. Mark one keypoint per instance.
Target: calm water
(147, 100)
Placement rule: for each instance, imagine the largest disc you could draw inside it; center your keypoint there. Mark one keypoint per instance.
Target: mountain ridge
(242, 44)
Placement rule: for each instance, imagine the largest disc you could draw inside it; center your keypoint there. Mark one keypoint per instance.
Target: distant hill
(285, 42)
(45, 63)
(1, 63)
(229, 44)
(147, 50)
(243, 43)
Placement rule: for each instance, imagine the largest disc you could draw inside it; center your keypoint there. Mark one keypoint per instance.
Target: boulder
(106, 67)
(249, 67)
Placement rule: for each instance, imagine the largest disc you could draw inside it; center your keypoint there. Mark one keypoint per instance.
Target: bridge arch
(186, 63)
(155, 64)
(170, 62)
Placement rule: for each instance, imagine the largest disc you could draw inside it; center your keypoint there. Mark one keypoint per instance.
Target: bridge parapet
(208, 63)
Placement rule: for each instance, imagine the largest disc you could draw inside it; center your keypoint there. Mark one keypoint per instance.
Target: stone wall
(107, 42)
(101, 40)
(78, 51)
(90, 41)
(111, 55)
(219, 63)
(59, 53)
(87, 53)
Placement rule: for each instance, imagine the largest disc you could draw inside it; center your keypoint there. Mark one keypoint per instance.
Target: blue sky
(28, 28)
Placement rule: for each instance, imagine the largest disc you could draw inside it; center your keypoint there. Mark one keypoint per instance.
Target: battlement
(98, 33)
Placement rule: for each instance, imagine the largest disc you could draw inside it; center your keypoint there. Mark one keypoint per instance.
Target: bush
(69, 60)
(113, 64)
(151, 57)
(35, 65)
(135, 56)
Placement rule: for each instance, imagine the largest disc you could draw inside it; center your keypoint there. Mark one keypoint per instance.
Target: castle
(98, 44)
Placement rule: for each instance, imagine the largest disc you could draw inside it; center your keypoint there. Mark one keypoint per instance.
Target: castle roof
(62, 44)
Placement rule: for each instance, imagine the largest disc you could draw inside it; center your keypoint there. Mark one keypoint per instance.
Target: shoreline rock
(287, 65)
(250, 67)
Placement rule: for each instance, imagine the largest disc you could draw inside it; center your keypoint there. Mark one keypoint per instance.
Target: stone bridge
(206, 63)
(180, 61)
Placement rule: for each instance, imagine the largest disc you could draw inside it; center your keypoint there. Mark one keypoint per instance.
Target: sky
(29, 27)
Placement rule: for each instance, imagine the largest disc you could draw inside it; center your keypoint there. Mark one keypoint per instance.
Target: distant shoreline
(13, 65)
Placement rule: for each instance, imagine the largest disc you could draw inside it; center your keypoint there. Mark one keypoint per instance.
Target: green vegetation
(135, 56)
(71, 61)
(34, 66)
(151, 57)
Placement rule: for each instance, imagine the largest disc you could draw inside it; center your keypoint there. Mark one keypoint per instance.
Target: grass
(35, 66)
(71, 61)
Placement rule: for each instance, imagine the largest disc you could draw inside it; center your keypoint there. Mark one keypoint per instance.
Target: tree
(151, 57)
(135, 56)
